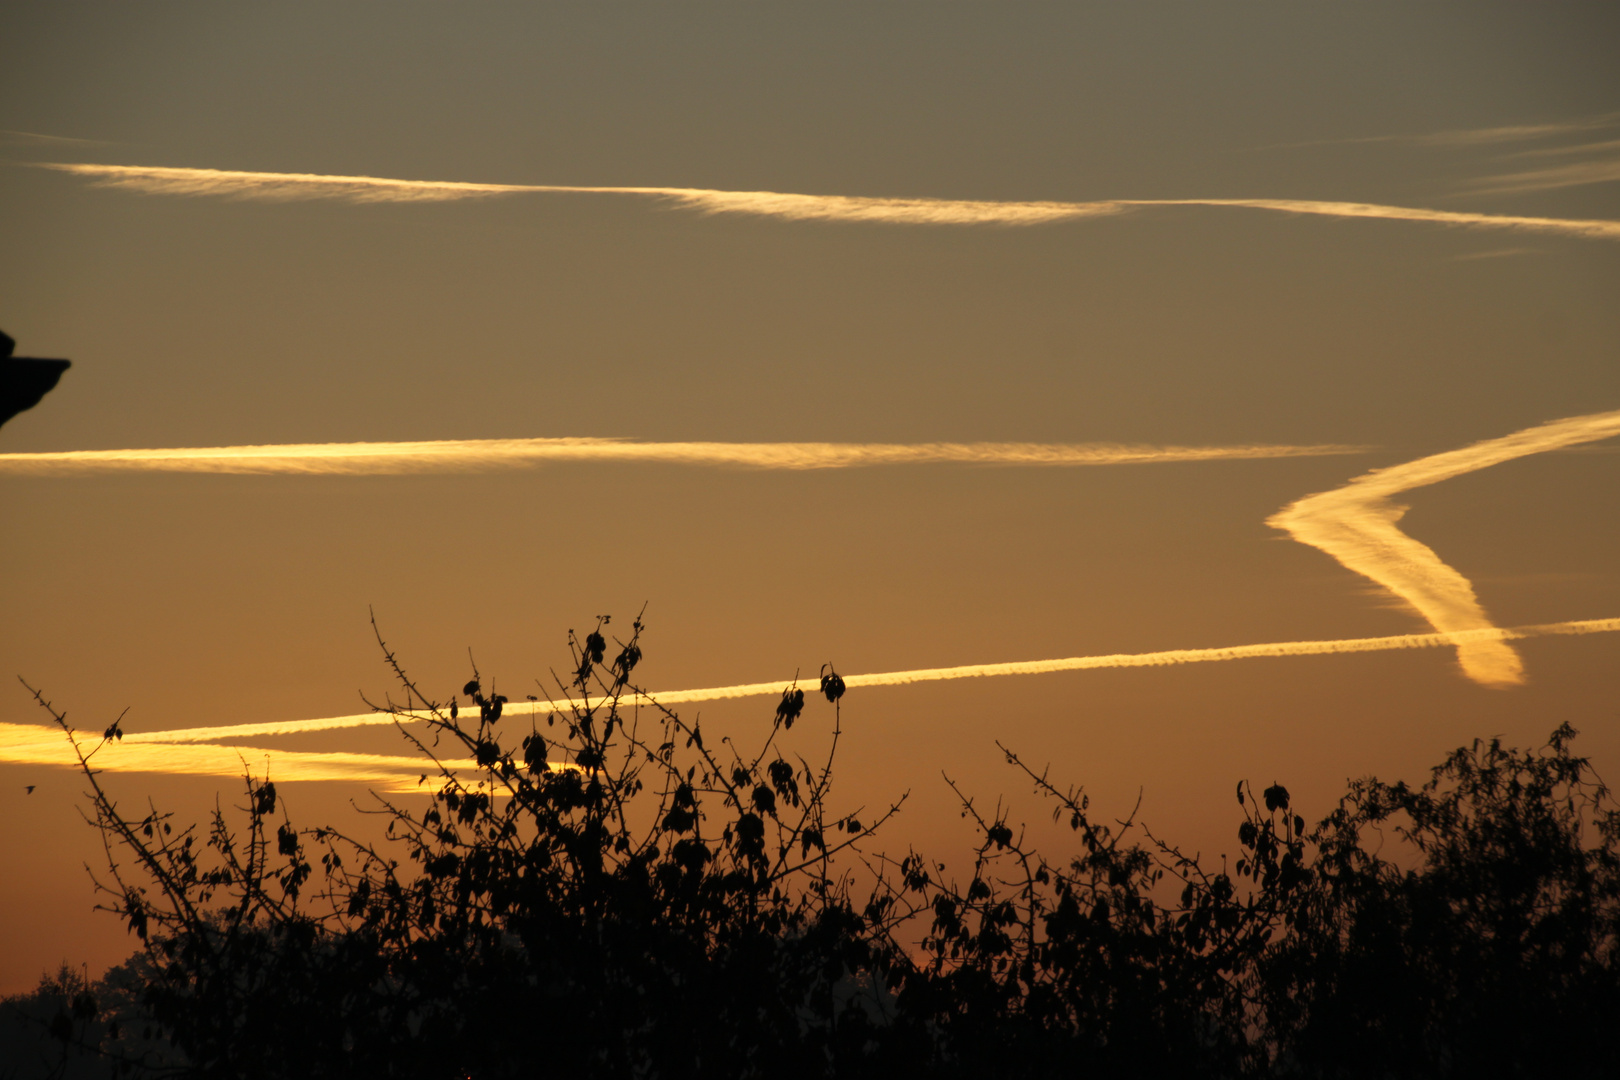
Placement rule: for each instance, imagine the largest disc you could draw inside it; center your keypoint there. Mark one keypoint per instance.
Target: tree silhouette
(607, 894)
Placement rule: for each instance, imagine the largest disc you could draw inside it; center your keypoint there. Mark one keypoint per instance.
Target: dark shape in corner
(23, 379)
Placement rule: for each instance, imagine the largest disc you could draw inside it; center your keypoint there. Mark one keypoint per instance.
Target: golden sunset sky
(904, 336)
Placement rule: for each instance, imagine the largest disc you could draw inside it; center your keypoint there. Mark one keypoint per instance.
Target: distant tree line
(611, 894)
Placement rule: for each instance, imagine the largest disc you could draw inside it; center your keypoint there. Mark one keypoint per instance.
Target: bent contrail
(1356, 524)
(904, 678)
(282, 187)
(368, 459)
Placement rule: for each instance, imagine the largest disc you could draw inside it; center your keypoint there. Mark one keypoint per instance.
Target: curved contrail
(1356, 524)
(282, 187)
(374, 458)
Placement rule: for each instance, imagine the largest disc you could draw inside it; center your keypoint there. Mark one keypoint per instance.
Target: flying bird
(30, 789)
(23, 379)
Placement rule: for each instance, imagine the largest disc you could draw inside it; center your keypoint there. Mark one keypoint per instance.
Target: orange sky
(204, 315)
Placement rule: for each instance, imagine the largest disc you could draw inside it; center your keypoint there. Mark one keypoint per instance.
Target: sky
(1275, 341)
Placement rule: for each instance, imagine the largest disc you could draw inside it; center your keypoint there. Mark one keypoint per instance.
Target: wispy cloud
(1602, 166)
(366, 459)
(1574, 174)
(34, 138)
(1510, 133)
(1167, 658)
(1589, 148)
(1496, 253)
(781, 205)
(1486, 136)
(1357, 525)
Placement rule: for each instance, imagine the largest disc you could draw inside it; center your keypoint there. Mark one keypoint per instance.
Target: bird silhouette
(23, 379)
(30, 789)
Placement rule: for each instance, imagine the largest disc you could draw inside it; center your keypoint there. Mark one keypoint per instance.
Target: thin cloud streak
(1357, 525)
(1479, 136)
(1574, 174)
(782, 205)
(1167, 658)
(34, 138)
(1516, 132)
(1589, 148)
(371, 459)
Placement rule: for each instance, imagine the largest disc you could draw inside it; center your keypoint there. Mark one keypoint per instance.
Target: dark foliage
(1493, 953)
(605, 894)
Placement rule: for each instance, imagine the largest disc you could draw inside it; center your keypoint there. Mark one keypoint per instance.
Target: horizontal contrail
(281, 187)
(1356, 524)
(904, 678)
(373, 458)
(35, 744)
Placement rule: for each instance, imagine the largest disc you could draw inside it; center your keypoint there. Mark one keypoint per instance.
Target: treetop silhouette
(612, 893)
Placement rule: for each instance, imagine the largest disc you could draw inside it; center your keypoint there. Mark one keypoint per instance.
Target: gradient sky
(216, 321)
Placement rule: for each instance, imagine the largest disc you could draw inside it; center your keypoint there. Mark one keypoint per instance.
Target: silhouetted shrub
(605, 894)
(1491, 953)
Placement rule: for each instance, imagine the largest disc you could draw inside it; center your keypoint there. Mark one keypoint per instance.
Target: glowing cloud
(1356, 524)
(364, 459)
(1167, 658)
(794, 207)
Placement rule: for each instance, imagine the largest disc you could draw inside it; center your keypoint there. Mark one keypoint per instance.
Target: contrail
(282, 187)
(1356, 524)
(905, 678)
(373, 458)
(35, 744)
